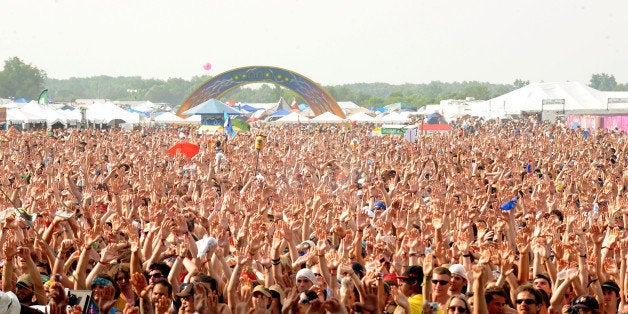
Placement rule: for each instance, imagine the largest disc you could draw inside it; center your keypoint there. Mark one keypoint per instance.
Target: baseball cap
(586, 302)
(25, 281)
(609, 284)
(458, 269)
(263, 290)
(277, 290)
(412, 273)
(379, 205)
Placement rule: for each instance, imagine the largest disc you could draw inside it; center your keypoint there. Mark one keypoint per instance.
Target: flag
(510, 204)
(43, 98)
(529, 166)
(228, 126)
(240, 125)
(294, 104)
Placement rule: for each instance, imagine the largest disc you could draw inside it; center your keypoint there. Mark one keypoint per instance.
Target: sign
(412, 135)
(618, 100)
(554, 101)
(393, 129)
(3, 115)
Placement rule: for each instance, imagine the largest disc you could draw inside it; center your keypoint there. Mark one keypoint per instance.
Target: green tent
(400, 106)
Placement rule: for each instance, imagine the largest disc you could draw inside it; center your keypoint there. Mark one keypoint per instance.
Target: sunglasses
(156, 275)
(525, 301)
(441, 282)
(458, 309)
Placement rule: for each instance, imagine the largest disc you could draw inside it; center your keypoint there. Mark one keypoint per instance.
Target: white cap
(458, 270)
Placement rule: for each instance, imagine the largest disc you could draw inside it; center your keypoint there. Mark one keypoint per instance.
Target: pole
(256, 161)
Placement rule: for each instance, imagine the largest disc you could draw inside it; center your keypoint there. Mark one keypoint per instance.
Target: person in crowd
(499, 210)
(441, 281)
(495, 300)
(528, 300)
(458, 280)
(409, 295)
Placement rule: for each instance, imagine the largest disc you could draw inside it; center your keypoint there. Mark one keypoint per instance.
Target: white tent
(543, 97)
(108, 112)
(348, 107)
(146, 106)
(327, 117)
(196, 119)
(293, 117)
(360, 117)
(16, 116)
(52, 115)
(73, 116)
(393, 118)
(169, 118)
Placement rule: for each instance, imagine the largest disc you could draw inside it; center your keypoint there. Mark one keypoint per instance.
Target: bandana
(101, 281)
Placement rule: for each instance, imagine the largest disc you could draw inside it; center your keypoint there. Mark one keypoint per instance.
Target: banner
(43, 98)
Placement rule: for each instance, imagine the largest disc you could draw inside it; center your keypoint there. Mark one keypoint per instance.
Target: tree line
(21, 80)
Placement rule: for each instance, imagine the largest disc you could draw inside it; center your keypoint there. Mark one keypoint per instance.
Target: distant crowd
(490, 217)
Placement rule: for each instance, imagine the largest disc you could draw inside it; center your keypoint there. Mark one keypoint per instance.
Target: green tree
(476, 91)
(519, 83)
(21, 80)
(603, 81)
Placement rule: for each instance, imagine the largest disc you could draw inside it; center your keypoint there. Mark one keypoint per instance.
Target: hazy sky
(329, 41)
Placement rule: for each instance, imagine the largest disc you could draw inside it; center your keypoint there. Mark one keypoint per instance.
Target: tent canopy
(360, 117)
(400, 106)
(293, 117)
(280, 112)
(327, 117)
(211, 106)
(393, 118)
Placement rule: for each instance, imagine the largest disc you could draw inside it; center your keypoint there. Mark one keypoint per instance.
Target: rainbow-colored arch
(314, 95)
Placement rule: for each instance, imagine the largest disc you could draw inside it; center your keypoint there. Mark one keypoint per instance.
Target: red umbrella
(188, 149)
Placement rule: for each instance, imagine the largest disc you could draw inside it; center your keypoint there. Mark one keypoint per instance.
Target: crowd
(490, 217)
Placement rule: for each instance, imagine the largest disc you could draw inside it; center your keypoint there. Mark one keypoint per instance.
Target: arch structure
(314, 95)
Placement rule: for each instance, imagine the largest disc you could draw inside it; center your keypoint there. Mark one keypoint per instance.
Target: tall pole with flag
(43, 98)
(228, 126)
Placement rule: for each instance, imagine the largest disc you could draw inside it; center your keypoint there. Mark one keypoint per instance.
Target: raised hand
(109, 253)
(139, 284)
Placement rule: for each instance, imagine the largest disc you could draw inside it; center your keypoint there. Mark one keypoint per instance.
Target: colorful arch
(315, 96)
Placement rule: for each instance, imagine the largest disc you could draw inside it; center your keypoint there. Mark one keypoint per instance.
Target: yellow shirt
(416, 305)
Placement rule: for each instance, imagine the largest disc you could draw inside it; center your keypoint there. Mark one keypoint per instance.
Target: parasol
(189, 150)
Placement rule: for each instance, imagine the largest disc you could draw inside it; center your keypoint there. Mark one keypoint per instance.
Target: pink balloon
(207, 66)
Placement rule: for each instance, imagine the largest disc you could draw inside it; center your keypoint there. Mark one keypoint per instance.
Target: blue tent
(20, 101)
(210, 107)
(147, 114)
(433, 118)
(378, 109)
(303, 107)
(249, 108)
(281, 112)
